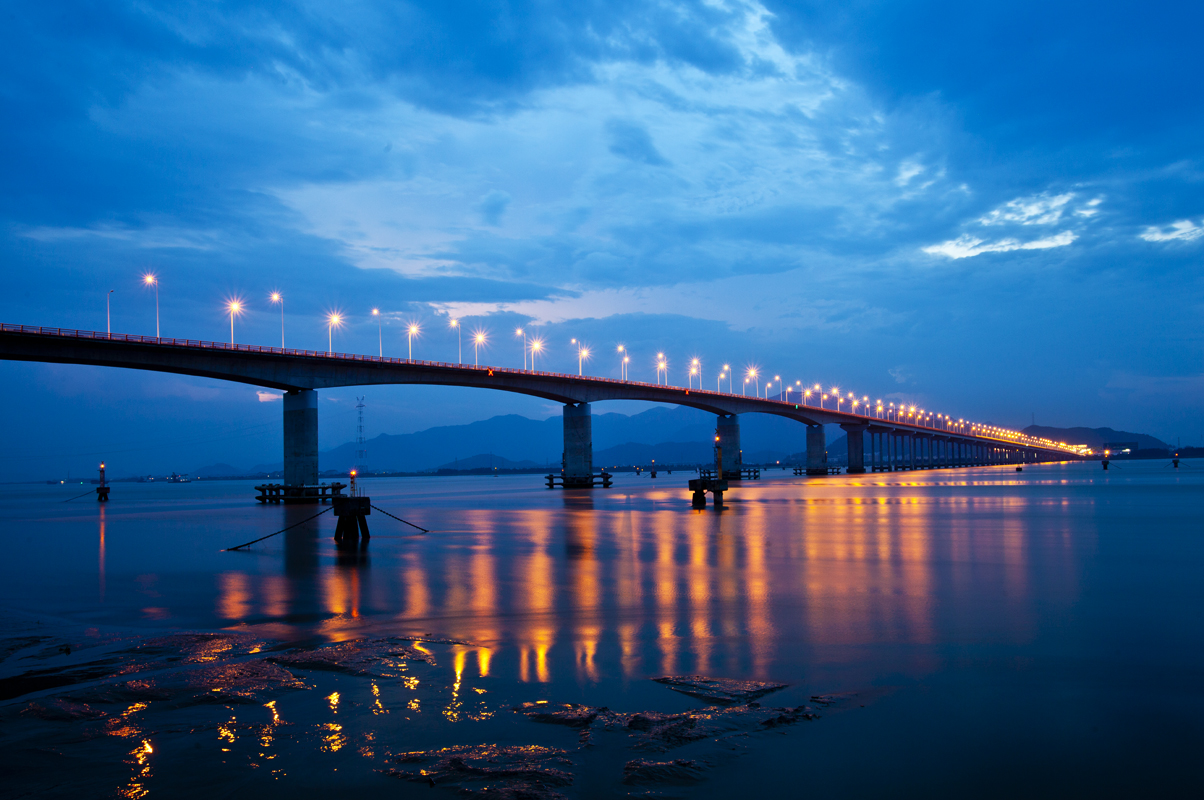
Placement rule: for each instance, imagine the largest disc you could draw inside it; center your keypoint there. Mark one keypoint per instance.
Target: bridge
(894, 443)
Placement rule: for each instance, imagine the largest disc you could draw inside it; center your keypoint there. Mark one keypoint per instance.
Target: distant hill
(1095, 437)
(487, 460)
(220, 470)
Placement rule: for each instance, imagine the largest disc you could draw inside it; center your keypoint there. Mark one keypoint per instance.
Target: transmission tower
(361, 449)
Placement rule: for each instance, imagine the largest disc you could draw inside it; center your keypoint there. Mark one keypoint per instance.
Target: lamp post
(753, 376)
(478, 338)
(234, 307)
(728, 369)
(622, 363)
(806, 394)
(151, 280)
(698, 366)
(380, 335)
(778, 380)
(520, 332)
(582, 355)
(276, 297)
(536, 346)
(411, 332)
(455, 323)
(108, 315)
(333, 320)
(661, 366)
(719, 382)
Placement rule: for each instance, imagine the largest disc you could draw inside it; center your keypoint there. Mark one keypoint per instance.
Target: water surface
(991, 632)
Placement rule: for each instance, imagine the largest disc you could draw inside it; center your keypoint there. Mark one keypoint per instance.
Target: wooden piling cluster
(277, 493)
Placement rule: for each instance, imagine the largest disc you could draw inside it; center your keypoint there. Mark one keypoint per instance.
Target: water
(991, 633)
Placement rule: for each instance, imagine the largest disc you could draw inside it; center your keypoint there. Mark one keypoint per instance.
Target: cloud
(899, 374)
(1042, 209)
(631, 141)
(967, 246)
(1183, 231)
(492, 206)
(269, 397)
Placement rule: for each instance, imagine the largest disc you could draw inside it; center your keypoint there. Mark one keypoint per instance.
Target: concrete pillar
(855, 435)
(578, 441)
(301, 438)
(727, 428)
(817, 450)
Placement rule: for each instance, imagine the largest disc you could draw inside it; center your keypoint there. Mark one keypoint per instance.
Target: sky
(992, 210)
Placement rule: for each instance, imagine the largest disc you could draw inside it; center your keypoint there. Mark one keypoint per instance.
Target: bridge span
(894, 444)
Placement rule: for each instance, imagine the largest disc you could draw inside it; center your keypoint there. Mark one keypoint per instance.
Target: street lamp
(276, 297)
(235, 308)
(719, 382)
(698, 366)
(411, 332)
(478, 338)
(149, 279)
(778, 380)
(582, 355)
(333, 320)
(536, 346)
(806, 394)
(455, 323)
(108, 315)
(822, 398)
(623, 363)
(661, 366)
(752, 376)
(693, 372)
(520, 332)
(728, 369)
(380, 335)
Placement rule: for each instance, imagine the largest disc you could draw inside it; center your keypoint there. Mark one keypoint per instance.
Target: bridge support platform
(856, 438)
(817, 450)
(577, 461)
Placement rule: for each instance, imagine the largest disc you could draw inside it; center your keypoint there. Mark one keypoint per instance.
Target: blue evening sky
(990, 209)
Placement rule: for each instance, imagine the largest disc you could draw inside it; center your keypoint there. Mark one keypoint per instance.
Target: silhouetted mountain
(485, 461)
(220, 470)
(1095, 437)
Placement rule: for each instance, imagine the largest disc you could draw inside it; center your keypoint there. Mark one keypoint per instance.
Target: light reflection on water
(621, 584)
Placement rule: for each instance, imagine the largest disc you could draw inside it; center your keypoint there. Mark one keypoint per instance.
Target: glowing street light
(622, 350)
(333, 320)
(149, 279)
(582, 355)
(276, 297)
(753, 376)
(455, 323)
(728, 369)
(661, 366)
(822, 398)
(536, 347)
(697, 366)
(719, 382)
(411, 332)
(108, 315)
(380, 336)
(522, 333)
(806, 394)
(234, 307)
(693, 372)
(479, 337)
(778, 380)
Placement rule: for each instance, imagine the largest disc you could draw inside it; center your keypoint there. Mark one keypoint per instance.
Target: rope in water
(399, 519)
(78, 496)
(282, 530)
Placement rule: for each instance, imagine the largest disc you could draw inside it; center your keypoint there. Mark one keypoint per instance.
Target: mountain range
(665, 435)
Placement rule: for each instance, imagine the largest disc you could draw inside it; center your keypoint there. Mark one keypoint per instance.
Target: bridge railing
(1017, 439)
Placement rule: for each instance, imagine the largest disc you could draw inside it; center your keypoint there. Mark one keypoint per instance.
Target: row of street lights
(533, 346)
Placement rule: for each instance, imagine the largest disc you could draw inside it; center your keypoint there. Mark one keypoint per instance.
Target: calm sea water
(996, 633)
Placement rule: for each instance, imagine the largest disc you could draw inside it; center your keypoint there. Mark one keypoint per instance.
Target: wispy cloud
(1182, 231)
(967, 246)
(1042, 209)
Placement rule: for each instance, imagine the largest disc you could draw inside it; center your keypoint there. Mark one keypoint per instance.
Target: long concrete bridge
(894, 444)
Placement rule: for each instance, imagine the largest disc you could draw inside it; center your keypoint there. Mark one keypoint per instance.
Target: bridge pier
(578, 445)
(817, 450)
(301, 438)
(855, 434)
(727, 428)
